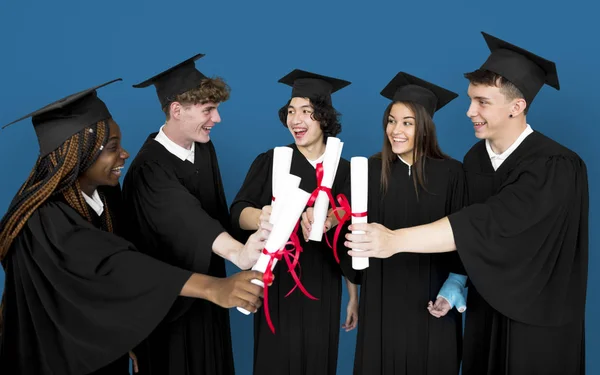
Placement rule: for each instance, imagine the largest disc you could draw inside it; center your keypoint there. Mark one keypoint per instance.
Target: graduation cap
(405, 87)
(175, 81)
(305, 84)
(58, 121)
(522, 68)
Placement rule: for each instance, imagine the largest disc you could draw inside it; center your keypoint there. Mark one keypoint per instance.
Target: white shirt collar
(175, 149)
(496, 159)
(316, 161)
(94, 202)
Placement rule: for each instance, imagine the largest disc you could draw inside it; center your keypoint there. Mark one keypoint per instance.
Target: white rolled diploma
(333, 152)
(282, 160)
(359, 185)
(293, 203)
(286, 183)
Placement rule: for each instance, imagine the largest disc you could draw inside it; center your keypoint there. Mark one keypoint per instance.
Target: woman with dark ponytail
(77, 297)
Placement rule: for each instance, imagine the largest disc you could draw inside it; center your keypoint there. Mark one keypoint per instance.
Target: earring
(510, 115)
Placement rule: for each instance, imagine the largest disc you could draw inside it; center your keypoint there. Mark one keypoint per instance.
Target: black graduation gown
(176, 210)
(524, 244)
(396, 333)
(306, 331)
(79, 298)
(112, 197)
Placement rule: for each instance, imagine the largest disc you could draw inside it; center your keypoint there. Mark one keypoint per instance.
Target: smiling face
(106, 170)
(197, 120)
(304, 128)
(400, 131)
(489, 111)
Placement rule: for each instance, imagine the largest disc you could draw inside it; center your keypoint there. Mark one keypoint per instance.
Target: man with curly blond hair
(176, 211)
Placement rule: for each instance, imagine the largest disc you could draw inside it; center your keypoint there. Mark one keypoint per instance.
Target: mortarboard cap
(405, 87)
(58, 121)
(175, 81)
(306, 84)
(528, 72)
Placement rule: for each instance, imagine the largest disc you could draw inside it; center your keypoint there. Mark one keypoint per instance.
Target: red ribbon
(287, 255)
(296, 243)
(313, 198)
(320, 187)
(345, 206)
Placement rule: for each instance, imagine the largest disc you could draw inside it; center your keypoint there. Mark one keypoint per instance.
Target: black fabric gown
(306, 331)
(79, 298)
(524, 244)
(396, 333)
(175, 211)
(113, 198)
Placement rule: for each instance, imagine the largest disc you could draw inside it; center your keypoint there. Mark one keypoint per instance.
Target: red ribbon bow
(320, 187)
(344, 205)
(313, 198)
(287, 255)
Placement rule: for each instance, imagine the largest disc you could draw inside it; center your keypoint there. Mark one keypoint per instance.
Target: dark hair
(210, 90)
(488, 78)
(54, 174)
(323, 112)
(425, 146)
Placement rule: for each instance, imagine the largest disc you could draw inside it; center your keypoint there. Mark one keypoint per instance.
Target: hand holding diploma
(292, 205)
(308, 219)
(282, 161)
(325, 176)
(374, 240)
(359, 182)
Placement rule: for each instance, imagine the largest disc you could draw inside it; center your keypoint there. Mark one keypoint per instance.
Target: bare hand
(376, 242)
(254, 246)
(134, 362)
(351, 316)
(308, 219)
(439, 308)
(306, 222)
(238, 291)
(265, 215)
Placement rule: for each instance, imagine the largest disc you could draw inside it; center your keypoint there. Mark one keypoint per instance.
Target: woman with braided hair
(77, 297)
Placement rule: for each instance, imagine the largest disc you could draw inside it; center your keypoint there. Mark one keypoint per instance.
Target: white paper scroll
(286, 183)
(359, 185)
(293, 203)
(333, 152)
(282, 160)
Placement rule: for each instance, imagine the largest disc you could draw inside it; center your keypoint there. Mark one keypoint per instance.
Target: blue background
(49, 49)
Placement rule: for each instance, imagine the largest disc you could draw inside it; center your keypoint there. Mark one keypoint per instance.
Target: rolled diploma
(286, 183)
(333, 151)
(282, 160)
(293, 204)
(359, 185)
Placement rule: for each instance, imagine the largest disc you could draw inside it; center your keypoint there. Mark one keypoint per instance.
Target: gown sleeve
(78, 297)
(457, 198)
(173, 218)
(255, 192)
(525, 248)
